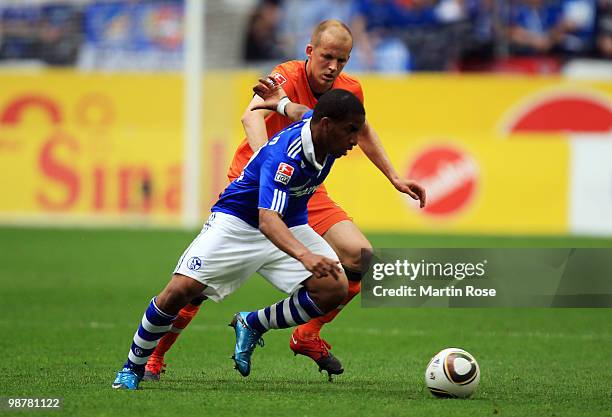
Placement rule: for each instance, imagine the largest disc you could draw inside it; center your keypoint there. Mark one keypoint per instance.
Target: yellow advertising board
(90, 147)
(472, 183)
(95, 148)
(494, 152)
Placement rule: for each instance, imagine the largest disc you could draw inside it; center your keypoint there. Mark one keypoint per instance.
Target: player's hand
(320, 266)
(270, 92)
(413, 189)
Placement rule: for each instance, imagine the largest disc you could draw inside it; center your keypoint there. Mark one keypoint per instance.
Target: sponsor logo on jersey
(194, 263)
(279, 79)
(304, 191)
(450, 178)
(283, 173)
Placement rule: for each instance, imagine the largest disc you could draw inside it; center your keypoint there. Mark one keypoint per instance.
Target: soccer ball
(452, 373)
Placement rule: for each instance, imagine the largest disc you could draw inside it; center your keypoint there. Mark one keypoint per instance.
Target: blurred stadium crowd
(392, 36)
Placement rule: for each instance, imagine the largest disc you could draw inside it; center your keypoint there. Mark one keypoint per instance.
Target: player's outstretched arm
(273, 97)
(254, 124)
(370, 144)
(273, 227)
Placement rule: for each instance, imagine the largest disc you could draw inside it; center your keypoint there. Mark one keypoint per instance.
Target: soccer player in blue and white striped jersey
(260, 224)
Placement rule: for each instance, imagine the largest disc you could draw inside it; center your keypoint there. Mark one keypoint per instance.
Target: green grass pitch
(71, 300)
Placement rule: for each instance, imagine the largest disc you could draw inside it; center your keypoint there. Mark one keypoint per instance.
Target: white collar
(308, 146)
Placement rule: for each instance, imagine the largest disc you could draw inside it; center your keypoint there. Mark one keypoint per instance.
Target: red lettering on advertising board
(135, 189)
(13, 112)
(59, 172)
(68, 180)
(172, 195)
(99, 188)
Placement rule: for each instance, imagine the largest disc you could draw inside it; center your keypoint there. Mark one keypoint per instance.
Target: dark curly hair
(337, 104)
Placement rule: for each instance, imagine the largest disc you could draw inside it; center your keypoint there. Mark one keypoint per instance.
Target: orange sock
(313, 327)
(185, 316)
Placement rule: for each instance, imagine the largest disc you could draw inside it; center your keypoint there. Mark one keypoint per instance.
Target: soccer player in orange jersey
(304, 82)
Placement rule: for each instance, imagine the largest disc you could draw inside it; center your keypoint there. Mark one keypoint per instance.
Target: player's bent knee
(337, 296)
(351, 258)
(341, 292)
(179, 291)
(327, 293)
(334, 294)
(348, 242)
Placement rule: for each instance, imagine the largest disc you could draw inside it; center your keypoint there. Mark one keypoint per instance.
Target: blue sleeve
(275, 175)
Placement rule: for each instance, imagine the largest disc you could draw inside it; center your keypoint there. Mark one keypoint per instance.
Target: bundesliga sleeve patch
(283, 173)
(279, 78)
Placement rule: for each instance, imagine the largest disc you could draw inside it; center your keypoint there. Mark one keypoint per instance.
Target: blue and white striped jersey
(281, 176)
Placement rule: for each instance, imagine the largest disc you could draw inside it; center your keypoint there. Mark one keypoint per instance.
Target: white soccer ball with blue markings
(452, 373)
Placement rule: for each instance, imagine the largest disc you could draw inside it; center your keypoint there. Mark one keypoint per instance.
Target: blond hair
(317, 33)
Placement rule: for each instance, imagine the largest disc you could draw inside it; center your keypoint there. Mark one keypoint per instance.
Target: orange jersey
(292, 77)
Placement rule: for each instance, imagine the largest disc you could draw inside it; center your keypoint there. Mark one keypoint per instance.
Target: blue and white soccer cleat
(247, 339)
(126, 378)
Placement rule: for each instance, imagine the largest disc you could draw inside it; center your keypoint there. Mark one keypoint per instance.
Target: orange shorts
(323, 212)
